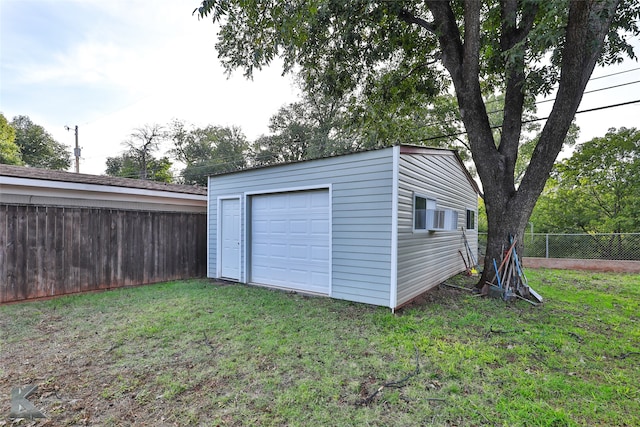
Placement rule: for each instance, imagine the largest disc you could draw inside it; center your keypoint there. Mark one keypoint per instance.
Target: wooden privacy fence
(47, 251)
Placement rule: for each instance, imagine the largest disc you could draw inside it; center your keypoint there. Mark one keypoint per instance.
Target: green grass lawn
(200, 353)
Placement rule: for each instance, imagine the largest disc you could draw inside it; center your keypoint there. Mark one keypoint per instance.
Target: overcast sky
(112, 66)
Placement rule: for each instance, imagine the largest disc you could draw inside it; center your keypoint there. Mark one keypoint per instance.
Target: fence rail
(613, 246)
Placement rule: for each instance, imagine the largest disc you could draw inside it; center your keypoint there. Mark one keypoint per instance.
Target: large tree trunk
(507, 220)
(508, 208)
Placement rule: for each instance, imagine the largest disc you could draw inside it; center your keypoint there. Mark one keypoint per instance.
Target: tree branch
(471, 46)
(600, 202)
(511, 32)
(526, 24)
(586, 30)
(463, 65)
(514, 89)
(394, 384)
(410, 18)
(512, 47)
(446, 29)
(409, 73)
(508, 10)
(511, 37)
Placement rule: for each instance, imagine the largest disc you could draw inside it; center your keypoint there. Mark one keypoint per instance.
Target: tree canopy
(516, 47)
(9, 150)
(311, 128)
(209, 150)
(127, 165)
(37, 147)
(138, 161)
(142, 143)
(597, 189)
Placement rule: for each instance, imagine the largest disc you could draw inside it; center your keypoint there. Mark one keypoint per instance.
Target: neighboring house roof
(33, 186)
(81, 178)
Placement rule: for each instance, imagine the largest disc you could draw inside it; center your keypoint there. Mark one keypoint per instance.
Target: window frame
(471, 214)
(425, 216)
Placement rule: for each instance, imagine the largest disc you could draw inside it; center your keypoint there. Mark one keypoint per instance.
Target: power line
(552, 99)
(432, 138)
(463, 133)
(490, 102)
(591, 79)
(491, 112)
(614, 74)
(608, 106)
(594, 90)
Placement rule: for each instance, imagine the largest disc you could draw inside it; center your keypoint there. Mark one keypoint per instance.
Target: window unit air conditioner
(442, 219)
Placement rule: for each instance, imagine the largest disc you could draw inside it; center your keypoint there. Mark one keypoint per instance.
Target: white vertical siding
(426, 258)
(361, 212)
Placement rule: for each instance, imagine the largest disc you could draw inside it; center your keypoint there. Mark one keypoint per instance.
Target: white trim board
(289, 189)
(393, 288)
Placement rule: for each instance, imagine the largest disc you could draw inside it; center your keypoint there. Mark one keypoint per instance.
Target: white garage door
(290, 240)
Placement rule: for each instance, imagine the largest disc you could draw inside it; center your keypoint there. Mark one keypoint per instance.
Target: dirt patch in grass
(443, 293)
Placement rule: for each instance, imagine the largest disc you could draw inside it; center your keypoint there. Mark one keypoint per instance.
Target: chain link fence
(614, 246)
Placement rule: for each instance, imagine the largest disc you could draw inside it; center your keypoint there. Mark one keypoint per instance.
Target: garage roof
(404, 149)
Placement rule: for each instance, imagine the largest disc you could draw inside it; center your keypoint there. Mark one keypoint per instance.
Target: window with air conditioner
(427, 216)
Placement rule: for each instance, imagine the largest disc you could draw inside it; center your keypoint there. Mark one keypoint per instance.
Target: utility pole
(76, 151)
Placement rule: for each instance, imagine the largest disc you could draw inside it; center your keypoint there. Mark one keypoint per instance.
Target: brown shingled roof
(51, 175)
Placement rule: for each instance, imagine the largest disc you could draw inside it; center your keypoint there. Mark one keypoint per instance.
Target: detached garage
(379, 227)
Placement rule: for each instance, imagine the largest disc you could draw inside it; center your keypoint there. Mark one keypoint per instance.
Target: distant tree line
(315, 126)
(596, 190)
(25, 143)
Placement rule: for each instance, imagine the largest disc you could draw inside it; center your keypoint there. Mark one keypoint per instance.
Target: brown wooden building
(64, 233)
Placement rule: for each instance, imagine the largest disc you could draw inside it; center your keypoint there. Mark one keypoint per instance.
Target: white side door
(230, 239)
